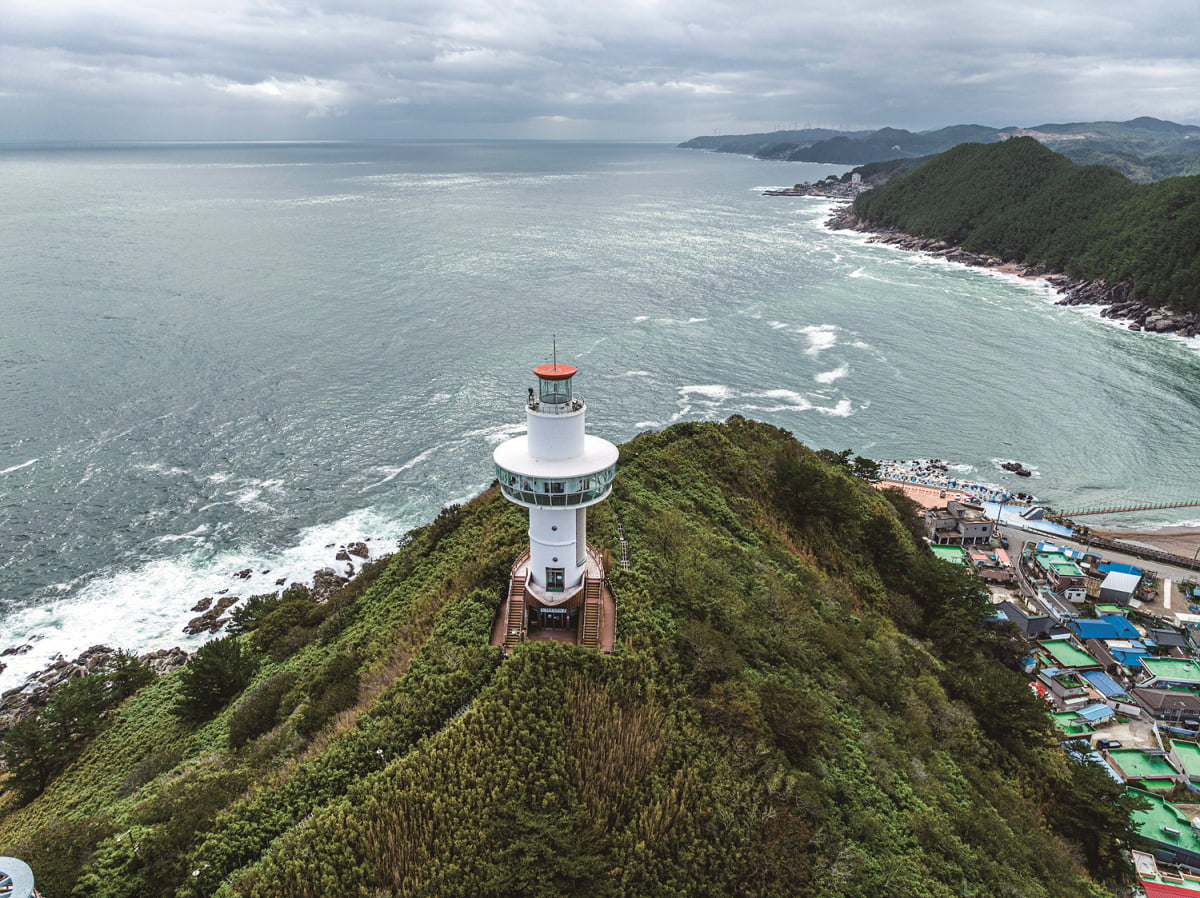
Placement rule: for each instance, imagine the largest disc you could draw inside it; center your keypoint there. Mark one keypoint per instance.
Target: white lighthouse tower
(556, 470)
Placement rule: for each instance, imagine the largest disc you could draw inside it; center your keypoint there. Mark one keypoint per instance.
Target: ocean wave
(843, 409)
(144, 607)
(24, 464)
(828, 377)
(393, 472)
(820, 337)
(670, 322)
(323, 200)
(711, 392)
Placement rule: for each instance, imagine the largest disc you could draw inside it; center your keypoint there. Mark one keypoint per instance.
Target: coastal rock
(16, 650)
(203, 604)
(211, 620)
(359, 550)
(342, 555)
(244, 574)
(165, 660)
(326, 582)
(1119, 301)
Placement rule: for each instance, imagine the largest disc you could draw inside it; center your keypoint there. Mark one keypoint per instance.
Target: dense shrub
(258, 711)
(332, 691)
(1024, 203)
(216, 673)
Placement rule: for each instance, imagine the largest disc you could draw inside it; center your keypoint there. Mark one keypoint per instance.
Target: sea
(221, 358)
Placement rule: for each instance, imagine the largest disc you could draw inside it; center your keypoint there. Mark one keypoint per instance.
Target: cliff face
(802, 702)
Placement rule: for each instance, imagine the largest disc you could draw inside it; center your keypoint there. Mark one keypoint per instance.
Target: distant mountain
(1144, 126)
(1143, 149)
(760, 144)
(892, 143)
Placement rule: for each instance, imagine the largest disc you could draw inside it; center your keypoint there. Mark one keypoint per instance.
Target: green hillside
(803, 701)
(1022, 202)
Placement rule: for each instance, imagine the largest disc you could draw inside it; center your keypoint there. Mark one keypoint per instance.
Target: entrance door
(554, 579)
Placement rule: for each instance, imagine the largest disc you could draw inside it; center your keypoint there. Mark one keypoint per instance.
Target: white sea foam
(842, 409)
(494, 435)
(711, 392)
(391, 473)
(196, 537)
(671, 322)
(787, 395)
(145, 608)
(635, 374)
(828, 377)
(324, 200)
(160, 468)
(24, 464)
(820, 337)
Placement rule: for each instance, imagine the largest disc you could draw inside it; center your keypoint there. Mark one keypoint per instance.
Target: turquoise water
(218, 357)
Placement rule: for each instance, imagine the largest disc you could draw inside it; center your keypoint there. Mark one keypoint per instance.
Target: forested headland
(803, 701)
(1021, 202)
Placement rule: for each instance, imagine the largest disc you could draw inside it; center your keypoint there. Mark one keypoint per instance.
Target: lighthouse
(557, 471)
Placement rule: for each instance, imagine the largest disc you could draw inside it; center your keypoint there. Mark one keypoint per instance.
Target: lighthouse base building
(558, 589)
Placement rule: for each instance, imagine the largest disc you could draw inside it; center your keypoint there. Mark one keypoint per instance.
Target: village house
(958, 524)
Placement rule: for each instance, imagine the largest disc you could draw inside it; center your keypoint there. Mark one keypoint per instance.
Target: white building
(557, 471)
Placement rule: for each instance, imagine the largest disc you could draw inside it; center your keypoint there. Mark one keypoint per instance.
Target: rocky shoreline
(31, 696)
(1119, 301)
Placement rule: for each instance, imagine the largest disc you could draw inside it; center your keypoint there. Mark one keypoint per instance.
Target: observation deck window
(556, 492)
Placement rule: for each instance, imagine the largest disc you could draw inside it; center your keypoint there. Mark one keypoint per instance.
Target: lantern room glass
(554, 392)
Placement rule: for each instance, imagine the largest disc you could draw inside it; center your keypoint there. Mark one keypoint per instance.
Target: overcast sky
(659, 69)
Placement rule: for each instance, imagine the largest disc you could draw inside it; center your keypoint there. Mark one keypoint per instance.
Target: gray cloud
(624, 68)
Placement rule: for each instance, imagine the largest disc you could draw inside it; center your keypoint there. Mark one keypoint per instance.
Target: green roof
(1066, 655)
(1152, 785)
(1175, 669)
(952, 554)
(1150, 823)
(1138, 763)
(1189, 756)
(1060, 563)
(1070, 723)
(1110, 608)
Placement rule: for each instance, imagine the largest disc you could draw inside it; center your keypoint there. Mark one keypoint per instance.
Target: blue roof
(1103, 683)
(1131, 657)
(1108, 626)
(1096, 712)
(1106, 566)
(1125, 630)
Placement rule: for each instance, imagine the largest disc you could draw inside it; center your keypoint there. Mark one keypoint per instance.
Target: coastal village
(831, 188)
(1112, 632)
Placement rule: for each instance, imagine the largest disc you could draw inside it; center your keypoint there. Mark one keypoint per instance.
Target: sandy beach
(1181, 541)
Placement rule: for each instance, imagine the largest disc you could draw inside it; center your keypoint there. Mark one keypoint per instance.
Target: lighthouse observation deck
(567, 483)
